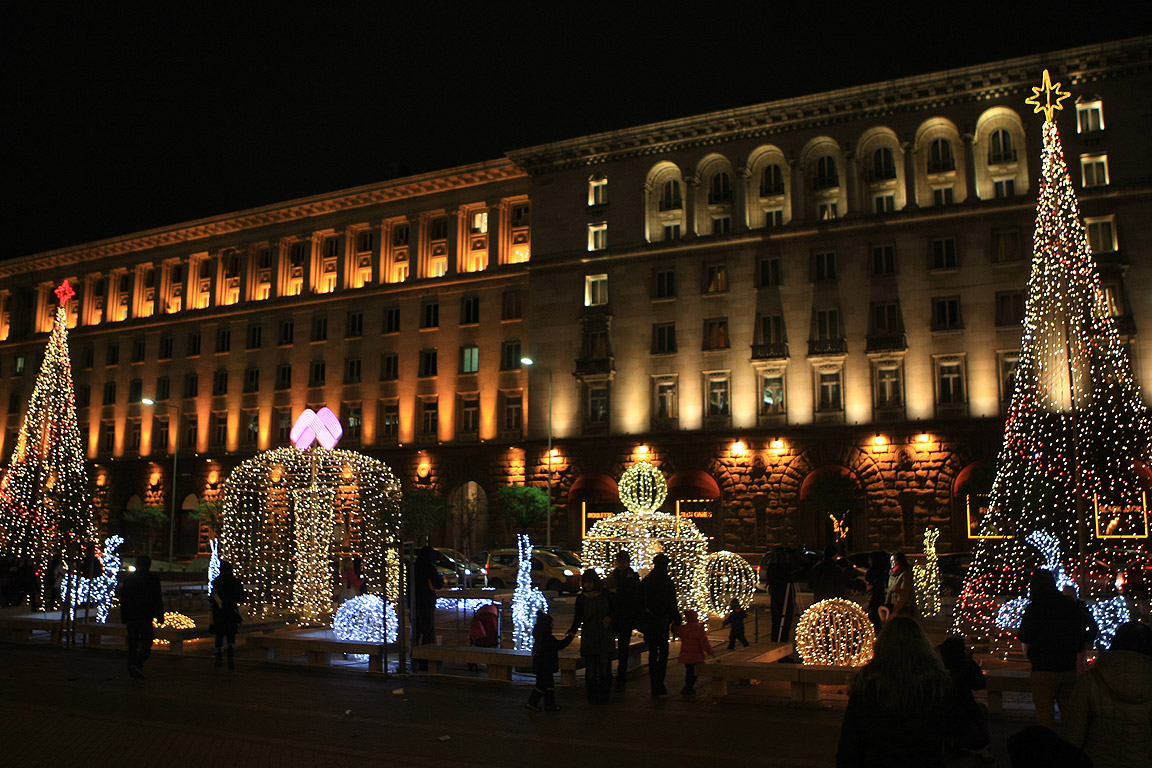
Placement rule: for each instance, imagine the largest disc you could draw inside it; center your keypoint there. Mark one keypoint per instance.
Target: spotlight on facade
(739, 448)
(554, 452)
(880, 441)
(423, 469)
(777, 446)
(923, 438)
(642, 450)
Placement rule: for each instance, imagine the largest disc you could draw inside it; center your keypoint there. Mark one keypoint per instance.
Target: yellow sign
(1114, 516)
(974, 526)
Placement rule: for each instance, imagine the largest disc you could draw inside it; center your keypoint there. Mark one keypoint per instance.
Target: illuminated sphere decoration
(728, 577)
(365, 619)
(642, 488)
(835, 632)
(292, 517)
(173, 620)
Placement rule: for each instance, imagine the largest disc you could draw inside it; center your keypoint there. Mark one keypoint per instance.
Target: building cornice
(986, 82)
(327, 203)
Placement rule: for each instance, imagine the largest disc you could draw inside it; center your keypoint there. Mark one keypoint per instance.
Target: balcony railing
(716, 198)
(774, 351)
(671, 205)
(593, 365)
(882, 174)
(827, 347)
(999, 157)
(771, 190)
(827, 182)
(881, 342)
(941, 166)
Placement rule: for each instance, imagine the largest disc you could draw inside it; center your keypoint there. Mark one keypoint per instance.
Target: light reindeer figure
(527, 600)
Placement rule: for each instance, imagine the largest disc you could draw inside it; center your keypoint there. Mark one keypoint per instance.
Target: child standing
(693, 647)
(735, 623)
(545, 662)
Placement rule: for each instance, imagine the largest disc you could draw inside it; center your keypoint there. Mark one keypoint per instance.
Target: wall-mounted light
(923, 438)
(880, 442)
(213, 477)
(777, 446)
(739, 448)
(554, 453)
(642, 449)
(423, 469)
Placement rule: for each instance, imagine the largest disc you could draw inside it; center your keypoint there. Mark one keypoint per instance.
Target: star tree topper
(64, 292)
(1042, 100)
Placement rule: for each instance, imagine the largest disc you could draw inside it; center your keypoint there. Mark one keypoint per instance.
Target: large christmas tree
(45, 502)
(1066, 495)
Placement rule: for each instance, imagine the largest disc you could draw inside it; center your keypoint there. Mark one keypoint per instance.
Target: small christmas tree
(45, 502)
(1075, 431)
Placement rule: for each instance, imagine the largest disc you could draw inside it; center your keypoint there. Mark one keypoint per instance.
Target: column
(740, 198)
(799, 196)
(969, 167)
(911, 190)
(852, 184)
(690, 193)
(452, 244)
(496, 213)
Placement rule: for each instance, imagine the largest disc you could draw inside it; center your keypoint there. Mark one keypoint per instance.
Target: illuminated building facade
(749, 299)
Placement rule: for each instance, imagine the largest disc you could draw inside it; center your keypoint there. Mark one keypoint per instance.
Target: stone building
(755, 300)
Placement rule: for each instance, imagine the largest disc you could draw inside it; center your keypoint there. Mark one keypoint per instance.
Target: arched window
(670, 199)
(940, 157)
(720, 189)
(772, 182)
(1000, 148)
(826, 176)
(883, 164)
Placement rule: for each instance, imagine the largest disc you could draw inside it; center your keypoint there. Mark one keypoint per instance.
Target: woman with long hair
(896, 703)
(593, 612)
(901, 590)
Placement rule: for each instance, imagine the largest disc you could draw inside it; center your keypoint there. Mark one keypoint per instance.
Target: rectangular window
(598, 191)
(83, 397)
(1006, 245)
(1090, 117)
(884, 203)
(512, 420)
(251, 427)
(663, 338)
(672, 231)
(317, 374)
(510, 305)
(770, 275)
(1009, 308)
(597, 236)
(109, 393)
(320, 328)
(163, 387)
(595, 290)
(1094, 170)
(109, 436)
(470, 310)
(220, 383)
(134, 434)
(597, 403)
(353, 421)
(112, 354)
(716, 278)
(1008, 363)
(774, 217)
(1101, 234)
(946, 313)
(255, 337)
(389, 366)
(430, 314)
(666, 284)
(219, 430)
(138, 350)
(829, 396)
(718, 398)
(192, 431)
(284, 376)
(1113, 299)
(165, 347)
(664, 398)
(827, 211)
(828, 324)
(889, 386)
(942, 196)
(427, 363)
(771, 395)
(772, 329)
(510, 356)
(1004, 188)
(884, 259)
(352, 370)
(135, 390)
(521, 215)
(400, 235)
(287, 332)
(283, 425)
(949, 382)
(160, 433)
(355, 325)
(429, 418)
(88, 357)
(392, 320)
(191, 385)
(365, 240)
(721, 225)
(824, 266)
(469, 415)
(223, 340)
(716, 333)
(469, 359)
(944, 253)
(886, 318)
(390, 420)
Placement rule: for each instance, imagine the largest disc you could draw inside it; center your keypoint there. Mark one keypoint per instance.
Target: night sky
(123, 117)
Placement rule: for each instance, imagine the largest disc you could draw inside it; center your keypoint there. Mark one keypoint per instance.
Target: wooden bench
(805, 680)
(175, 637)
(319, 650)
(20, 628)
(1000, 680)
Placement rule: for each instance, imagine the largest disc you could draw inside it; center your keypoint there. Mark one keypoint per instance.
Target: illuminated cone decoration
(45, 503)
(1076, 424)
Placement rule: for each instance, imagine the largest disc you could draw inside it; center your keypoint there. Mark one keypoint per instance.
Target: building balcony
(587, 366)
(775, 351)
(827, 347)
(885, 342)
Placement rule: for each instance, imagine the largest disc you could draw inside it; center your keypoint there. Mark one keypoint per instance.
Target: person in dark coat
(425, 581)
(735, 623)
(660, 612)
(968, 718)
(1054, 631)
(545, 663)
(140, 602)
(626, 604)
(897, 712)
(225, 599)
(593, 612)
(827, 578)
(783, 571)
(877, 578)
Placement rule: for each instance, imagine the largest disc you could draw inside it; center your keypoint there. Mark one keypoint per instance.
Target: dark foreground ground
(78, 708)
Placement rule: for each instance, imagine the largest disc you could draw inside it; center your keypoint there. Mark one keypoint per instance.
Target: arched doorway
(468, 521)
(831, 499)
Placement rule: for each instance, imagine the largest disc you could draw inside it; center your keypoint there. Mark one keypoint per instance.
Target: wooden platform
(758, 663)
(319, 645)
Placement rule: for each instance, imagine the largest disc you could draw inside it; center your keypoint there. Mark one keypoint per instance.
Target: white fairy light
(835, 632)
(527, 600)
(728, 577)
(366, 619)
(98, 590)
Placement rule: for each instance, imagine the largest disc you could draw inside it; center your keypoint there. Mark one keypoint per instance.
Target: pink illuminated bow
(323, 427)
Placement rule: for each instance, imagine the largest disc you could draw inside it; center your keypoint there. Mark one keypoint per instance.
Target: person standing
(658, 614)
(877, 578)
(226, 597)
(901, 598)
(782, 575)
(140, 603)
(625, 607)
(593, 612)
(694, 649)
(735, 624)
(827, 577)
(426, 579)
(1053, 631)
(545, 662)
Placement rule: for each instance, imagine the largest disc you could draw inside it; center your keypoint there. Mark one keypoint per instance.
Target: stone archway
(878, 520)
(815, 516)
(468, 521)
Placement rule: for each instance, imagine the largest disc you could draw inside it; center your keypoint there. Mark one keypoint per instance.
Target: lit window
(1094, 170)
(827, 211)
(469, 359)
(716, 278)
(479, 223)
(1090, 116)
(1101, 234)
(598, 191)
(597, 236)
(718, 394)
(595, 290)
(771, 395)
(716, 333)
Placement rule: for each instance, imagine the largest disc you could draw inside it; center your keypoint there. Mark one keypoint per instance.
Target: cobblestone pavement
(78, 707)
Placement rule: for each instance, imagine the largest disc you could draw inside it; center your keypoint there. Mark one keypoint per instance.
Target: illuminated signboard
(594, 515)
(1121, 521)
(981, 512)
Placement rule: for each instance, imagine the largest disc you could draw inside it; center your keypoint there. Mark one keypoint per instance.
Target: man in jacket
(140, 603)
(426, 580)
(625, 584)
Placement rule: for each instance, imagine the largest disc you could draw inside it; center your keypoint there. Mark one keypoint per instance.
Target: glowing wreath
(835, 632)
(728, 577)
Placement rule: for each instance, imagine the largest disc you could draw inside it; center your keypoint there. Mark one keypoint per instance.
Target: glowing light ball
(728, 577)
(642, 488)
(366, 619)
(173, 620)
(835, 632)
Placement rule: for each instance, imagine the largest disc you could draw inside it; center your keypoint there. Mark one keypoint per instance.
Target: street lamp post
(172, 491)
(548, 529)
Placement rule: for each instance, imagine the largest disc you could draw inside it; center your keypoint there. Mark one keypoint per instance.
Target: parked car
(464, 572)
(569, 557)
(548, 571)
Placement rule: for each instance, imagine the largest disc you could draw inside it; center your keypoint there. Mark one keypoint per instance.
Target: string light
(214, 561)
(1109, 614)
(926, 577)
(835, 632)
(280, 511)
(98, 590)
(467, 604)
(173, 620)
(1076, 426)
(728, 577)
(366, 619)
(527, 600)
(642, 488)
(45, 503)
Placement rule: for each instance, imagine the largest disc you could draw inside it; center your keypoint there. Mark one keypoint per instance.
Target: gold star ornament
(1046, 97)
